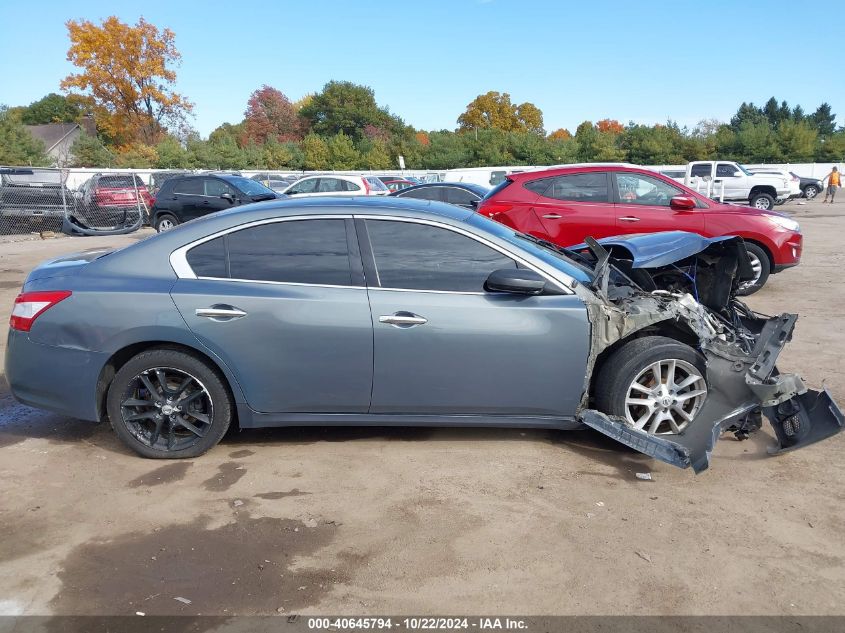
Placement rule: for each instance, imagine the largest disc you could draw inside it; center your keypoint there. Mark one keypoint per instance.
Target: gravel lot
(369, 521)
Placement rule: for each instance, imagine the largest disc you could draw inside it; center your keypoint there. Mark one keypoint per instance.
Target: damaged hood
(653, 250)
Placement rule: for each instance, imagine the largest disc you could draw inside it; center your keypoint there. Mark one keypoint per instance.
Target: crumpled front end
(740, 348)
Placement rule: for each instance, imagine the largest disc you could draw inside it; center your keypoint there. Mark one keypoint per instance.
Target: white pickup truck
(730, 182)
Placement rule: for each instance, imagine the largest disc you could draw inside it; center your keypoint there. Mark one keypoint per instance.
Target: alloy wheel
(762, 203)
(165, 225)
(757, 267)
(665, 397)
(167, 409)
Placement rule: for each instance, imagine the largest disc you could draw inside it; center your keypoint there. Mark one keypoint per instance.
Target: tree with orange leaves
(560, 134)
(127, 71)
(610, 125)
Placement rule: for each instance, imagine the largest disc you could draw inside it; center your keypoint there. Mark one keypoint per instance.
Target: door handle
(220, 313)
(552, 216)
(629, 218)
(403, 319)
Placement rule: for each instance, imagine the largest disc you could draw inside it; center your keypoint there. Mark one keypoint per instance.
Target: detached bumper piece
(740, 387)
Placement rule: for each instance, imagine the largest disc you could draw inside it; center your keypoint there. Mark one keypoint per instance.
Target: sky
(645, 61)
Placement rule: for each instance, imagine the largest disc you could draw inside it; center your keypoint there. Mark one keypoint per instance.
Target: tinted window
(645, 190)
(538, 186)
(422, 257)
(208, 259)
(459, 196)
(300, 251)
(424, 193)
(189, 186)
(215, 188)
(701, 170)
(590, 187)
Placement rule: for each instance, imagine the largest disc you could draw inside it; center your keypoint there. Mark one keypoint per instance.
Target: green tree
(343, 106)
(315, 153)
(747, 113)
(89, 151)
(797, 140)
(755, 143)
(595, 146)
(17, 146)
(276, 155)
(375, 156)
(823, 120)
(171, 154)
(342, 152)
(52, 108)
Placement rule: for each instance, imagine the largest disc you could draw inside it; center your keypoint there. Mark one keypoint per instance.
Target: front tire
(811, 191)
(169, 404)
(762, 268)
(762, 201)
(655, 383)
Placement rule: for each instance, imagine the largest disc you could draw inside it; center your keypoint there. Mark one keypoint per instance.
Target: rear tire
(759, 262)
(762, 201)
(629, 375)
(165, 222)
(169, 404)
(811, 191)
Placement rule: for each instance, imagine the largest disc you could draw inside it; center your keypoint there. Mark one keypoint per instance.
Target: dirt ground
(436, 521)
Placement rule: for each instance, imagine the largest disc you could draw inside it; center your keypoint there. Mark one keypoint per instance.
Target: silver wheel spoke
(641, 388)
(683, 397)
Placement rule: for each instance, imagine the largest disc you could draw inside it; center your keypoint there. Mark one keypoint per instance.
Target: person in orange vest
(833, 183)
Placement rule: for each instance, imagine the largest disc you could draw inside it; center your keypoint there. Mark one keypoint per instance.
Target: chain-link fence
(35, 199)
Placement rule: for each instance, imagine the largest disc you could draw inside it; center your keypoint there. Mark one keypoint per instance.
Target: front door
(643, 206)
(283, 305)
(444, 346)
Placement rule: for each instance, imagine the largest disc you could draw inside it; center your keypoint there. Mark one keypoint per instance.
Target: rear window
(31, 176)
(375, 183)
(119, 181)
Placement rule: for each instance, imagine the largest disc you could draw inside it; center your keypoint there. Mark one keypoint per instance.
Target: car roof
(469, 186)
(579, 169)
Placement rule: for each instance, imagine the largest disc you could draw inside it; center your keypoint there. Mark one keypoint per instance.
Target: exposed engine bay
(689, 283)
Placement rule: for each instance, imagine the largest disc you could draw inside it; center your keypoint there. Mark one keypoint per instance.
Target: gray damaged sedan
(405, 312)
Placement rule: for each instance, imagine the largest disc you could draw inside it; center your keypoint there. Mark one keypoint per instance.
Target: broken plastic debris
(140, 613)
(644, 476)
(237, 503)
(644, 556)
(600, 504)
(182, 600)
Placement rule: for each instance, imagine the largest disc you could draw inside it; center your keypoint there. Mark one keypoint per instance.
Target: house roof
(51, 134)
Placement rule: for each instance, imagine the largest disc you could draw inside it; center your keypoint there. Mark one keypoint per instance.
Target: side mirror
(682, 203)
(518, 281)
(228, 197)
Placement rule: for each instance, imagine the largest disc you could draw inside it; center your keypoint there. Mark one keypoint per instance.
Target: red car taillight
(30, 305)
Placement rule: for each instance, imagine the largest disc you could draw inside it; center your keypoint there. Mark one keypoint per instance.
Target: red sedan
(564, 205)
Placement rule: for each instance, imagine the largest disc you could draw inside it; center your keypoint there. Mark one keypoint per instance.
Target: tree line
(125, 84)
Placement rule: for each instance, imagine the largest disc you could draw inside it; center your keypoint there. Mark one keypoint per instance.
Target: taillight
(30, 305)
(366, 186)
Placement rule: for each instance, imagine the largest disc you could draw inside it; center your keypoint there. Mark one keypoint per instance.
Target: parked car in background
(568, 204)
(397, 185)
(322, 312)
(157, 179)
(337, 185)
(112, 200)
(729, 181)
(275, 181)
(793, 180)
(33, 197)
(188, 197)
(810, 187)
(463, 194)
(484, 176)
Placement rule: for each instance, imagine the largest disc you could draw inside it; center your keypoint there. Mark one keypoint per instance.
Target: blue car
(367, 311)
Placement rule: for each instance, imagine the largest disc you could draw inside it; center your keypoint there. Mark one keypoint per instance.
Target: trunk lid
(64, 266)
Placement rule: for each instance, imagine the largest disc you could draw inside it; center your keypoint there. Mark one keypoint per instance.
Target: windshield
(547, 252)
(250, 187)
(744, 170)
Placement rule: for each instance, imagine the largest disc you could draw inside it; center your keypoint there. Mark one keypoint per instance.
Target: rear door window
(297, 251)
(423, 193)
(454, 195)
(590, 187)
(209, 258)
(304, 186)
(329, 185)
(189, 186)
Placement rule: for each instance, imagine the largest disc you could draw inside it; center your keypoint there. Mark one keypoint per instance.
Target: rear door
(643, 206)
(283, 304)
(187, 197)
(574, 206)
